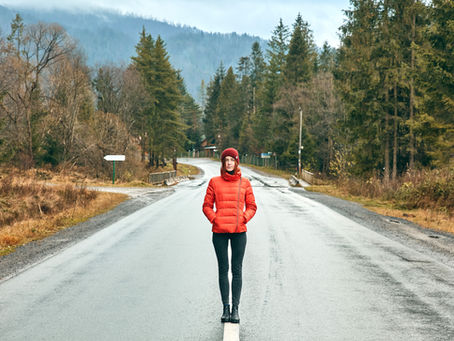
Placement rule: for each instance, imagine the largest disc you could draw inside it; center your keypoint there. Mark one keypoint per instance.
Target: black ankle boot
(226, 313)
(235, 316)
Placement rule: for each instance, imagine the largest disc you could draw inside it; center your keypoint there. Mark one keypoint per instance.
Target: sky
(254, 17)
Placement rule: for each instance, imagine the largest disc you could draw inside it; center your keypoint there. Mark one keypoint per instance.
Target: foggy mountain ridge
(108, 37)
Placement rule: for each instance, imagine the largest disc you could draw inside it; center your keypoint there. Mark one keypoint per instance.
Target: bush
(24, 199)
(428, 189)
(431, 189)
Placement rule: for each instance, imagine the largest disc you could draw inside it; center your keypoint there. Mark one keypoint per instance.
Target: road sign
(265, 155)
(114, 157)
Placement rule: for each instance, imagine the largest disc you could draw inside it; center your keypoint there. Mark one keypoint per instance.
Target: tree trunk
(394, 175)
(387, 164)
(150, 157)
(30, 162)
(412, 94)
(142, 152)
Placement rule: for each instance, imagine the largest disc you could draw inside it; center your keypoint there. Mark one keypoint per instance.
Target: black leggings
(238, 244)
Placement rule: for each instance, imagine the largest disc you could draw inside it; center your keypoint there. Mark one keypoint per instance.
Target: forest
(381, 104)
(56, 111)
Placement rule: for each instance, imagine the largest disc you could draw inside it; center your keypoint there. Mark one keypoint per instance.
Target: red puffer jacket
(230, 193)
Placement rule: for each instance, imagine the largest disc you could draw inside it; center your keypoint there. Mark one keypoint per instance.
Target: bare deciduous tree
(31, 51)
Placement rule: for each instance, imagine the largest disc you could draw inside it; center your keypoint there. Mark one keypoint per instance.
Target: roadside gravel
(436, 244)
(35, 252)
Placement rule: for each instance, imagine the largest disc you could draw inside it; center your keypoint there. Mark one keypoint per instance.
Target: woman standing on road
(230, 193)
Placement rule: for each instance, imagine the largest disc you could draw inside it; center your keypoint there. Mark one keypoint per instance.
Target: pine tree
(274, 79)
(144, 63)
(211, 108)
(257, 65)
(359, 84)
(168, 133)
(165, 127)
(229, 114)
(439, 80)
(244, 67)
(191, 115)
(327, 58)
(277, 54)
(301, 57)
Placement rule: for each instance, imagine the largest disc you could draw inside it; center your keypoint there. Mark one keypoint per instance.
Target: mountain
(110, 37)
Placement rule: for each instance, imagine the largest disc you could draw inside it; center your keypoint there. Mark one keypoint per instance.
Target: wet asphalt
(310, 273)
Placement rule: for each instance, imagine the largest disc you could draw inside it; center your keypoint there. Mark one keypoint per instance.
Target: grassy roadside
(34, 219)
(79, 177)
(428, 218)
(184, 169)
(436, 219)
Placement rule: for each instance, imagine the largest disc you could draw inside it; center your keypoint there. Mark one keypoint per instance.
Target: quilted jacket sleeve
(208, 202)
(251, 207)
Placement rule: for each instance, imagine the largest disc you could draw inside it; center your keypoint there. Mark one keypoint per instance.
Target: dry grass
(440, 220)
(272, 171)
(425, 197)
(184, 169)
(80, 176)
(423, 217)
(31, 210)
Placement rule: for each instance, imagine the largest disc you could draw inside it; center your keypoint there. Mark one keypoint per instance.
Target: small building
(207, 149)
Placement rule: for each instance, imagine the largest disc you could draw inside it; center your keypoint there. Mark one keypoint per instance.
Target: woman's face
(229, 163)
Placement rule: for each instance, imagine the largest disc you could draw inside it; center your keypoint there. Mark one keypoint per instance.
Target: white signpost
(114, 158)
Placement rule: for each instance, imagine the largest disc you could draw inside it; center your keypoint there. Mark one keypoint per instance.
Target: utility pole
(299, 144)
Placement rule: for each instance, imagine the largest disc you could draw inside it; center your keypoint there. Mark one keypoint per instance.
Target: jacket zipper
(238, 208)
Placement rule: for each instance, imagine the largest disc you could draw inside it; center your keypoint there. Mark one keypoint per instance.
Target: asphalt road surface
(309, 274)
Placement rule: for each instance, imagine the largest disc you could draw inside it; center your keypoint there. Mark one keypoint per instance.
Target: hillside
(110, 37)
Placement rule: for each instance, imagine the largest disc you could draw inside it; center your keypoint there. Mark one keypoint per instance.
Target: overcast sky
(255, 17)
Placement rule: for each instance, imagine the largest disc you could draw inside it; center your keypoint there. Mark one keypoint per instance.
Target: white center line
(231, 332)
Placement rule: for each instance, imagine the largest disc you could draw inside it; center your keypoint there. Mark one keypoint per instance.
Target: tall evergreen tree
(213, 92)
(258, 65)
(165, 128)
(145, 64)
(359, 84)
(273, 81)
(276, 55)
(229, 113)
(301, 57)
(192, 118)
(327, 58)
(168, 133)
(439, 103)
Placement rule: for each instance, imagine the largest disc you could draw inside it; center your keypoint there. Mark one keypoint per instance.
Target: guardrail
(157, 178)
(310, 178)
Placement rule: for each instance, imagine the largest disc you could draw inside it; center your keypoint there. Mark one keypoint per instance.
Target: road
(309, 274)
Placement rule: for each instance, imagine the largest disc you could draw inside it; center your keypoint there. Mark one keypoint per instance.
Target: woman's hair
(224, 170)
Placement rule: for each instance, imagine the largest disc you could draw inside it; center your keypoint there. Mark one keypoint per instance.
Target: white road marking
(231, 332)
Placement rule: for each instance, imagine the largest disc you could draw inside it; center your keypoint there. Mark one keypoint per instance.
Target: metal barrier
(157, 178)
(310, 178)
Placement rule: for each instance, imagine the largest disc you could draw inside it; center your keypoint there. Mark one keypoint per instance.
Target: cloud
(256, 17)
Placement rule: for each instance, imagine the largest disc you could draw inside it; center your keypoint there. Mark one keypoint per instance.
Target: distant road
(309, 274)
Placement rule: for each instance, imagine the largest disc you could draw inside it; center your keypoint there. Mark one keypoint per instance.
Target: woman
(230, 193)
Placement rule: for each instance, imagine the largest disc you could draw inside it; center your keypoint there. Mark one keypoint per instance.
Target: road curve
(309, 274)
